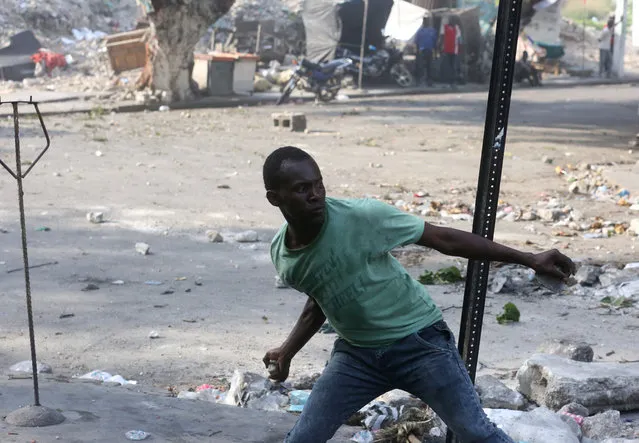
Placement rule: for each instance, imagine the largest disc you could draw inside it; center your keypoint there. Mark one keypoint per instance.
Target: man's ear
(273, 198)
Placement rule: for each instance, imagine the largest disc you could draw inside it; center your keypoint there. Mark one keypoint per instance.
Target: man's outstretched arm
(458, 243)
(309, 322)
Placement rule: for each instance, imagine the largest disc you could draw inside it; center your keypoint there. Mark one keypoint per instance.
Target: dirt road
(164, 178)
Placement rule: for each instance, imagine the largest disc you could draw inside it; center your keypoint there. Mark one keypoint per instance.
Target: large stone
(214, 236)
(565, 348)
(549, 215)
(634, 226)
(554, 381)
(587, 275)
(246, 237)
(538, 426)
(605, 425)
(496, 395)
(35, 417)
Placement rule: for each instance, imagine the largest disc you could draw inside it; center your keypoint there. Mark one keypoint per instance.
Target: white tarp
(404, 21)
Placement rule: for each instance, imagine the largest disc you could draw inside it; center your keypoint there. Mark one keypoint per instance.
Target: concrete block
(554, 381)
(295, 122)
(538, 426)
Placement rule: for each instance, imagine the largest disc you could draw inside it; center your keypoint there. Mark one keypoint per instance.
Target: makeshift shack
(329, 25)
(15, 60)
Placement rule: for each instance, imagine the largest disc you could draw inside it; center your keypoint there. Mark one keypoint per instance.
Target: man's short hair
(273, 164)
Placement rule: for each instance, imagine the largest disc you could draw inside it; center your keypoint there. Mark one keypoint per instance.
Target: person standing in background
(450, 46)
(425, 42)
(605, 49)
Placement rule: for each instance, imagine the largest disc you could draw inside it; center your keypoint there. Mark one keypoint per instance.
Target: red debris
(51, 60)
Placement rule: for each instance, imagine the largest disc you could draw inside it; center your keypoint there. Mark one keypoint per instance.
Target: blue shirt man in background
(426, 41)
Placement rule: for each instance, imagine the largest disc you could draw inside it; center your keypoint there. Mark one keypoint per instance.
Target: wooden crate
(127, 50)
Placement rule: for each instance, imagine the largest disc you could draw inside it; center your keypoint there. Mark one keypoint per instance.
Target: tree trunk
(177, 27)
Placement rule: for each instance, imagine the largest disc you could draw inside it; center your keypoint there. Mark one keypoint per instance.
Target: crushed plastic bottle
(137, 435)
(363, 437)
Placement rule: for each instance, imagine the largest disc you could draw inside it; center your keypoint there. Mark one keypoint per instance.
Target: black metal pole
(498, 106)
(25, 254)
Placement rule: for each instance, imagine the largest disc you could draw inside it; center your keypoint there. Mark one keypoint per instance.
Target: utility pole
(361, 49)
(635, 24)
(620, 31)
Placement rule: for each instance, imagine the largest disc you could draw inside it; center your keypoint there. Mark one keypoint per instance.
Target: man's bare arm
(458, 243)
(309, 322)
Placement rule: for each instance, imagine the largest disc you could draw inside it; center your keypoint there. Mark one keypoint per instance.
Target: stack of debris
(561, 397)
(69, 30)
(581, 45)
(274, 28)
(55, 18)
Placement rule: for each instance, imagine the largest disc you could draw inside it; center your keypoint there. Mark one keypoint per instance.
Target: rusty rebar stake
(18, 175)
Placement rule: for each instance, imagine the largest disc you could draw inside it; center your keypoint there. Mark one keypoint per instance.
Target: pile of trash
(72, 31)
(276, 75)
(587, 179)
(391, 417)
(421, 204)
(280, 11)
(55, 18)
(253, 391)
(282, 29)
(399, 417)
(565, 221)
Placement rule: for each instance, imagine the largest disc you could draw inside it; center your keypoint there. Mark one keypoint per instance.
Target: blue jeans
(425, 364)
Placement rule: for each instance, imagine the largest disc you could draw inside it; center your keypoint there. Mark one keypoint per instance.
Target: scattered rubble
(610, 285)
(397, 415)
(27, 367)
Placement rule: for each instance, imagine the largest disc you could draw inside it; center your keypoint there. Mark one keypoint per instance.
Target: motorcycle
(322, 79)
(381, 62)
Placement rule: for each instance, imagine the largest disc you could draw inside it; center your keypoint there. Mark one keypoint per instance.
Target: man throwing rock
(391, 334)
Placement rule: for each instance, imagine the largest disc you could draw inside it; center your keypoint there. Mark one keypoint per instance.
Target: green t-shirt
(366, 295)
